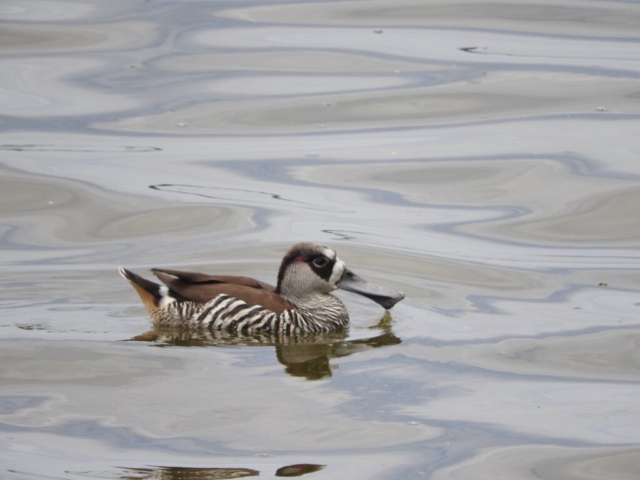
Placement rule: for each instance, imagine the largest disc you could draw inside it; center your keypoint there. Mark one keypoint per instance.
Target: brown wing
(194, 277)
(200, 287)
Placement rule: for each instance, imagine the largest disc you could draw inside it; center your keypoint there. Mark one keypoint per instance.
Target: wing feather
(200, 287)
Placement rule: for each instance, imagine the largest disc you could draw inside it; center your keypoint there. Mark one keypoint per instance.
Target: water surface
(481, 157)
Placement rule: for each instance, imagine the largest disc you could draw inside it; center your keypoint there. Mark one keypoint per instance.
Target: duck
(300, 303)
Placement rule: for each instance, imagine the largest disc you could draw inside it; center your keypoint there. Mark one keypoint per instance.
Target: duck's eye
(320, 262)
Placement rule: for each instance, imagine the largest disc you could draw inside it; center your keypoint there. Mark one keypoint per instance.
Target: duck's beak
(385, 297)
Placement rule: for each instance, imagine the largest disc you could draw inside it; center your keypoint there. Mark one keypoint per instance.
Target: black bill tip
(385, 297)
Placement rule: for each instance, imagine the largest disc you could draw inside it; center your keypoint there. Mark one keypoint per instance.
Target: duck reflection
(186, 473)
(305, 356)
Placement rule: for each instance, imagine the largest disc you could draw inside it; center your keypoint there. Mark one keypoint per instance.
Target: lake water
(482, 157)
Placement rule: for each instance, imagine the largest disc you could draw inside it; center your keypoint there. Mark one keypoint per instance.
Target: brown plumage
(200, 287)
(301, 302)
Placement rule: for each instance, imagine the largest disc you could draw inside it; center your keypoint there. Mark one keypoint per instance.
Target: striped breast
(233, 315)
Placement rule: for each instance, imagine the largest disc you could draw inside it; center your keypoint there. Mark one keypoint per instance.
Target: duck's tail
(151, 293)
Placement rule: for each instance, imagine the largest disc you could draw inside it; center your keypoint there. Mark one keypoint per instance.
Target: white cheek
(336, 274)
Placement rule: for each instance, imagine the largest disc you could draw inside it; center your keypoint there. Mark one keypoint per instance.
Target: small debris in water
(601, 109)
(30, 326)
(378, 31)
(298, 470)
(603, 284)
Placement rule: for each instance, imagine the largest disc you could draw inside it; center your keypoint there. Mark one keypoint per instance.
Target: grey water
(482, 157)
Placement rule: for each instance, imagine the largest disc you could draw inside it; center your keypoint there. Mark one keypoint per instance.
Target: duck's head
(309, 269)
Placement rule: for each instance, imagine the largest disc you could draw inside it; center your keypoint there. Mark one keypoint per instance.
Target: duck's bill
(385, 297)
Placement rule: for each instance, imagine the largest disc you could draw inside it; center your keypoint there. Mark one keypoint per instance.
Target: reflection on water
(305, 356)
(182, 473)
(187, 473)
(298, 470)
(480, 156)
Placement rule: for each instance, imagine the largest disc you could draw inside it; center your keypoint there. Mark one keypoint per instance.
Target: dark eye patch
(306, 253)
(322, 266)
(320, 261)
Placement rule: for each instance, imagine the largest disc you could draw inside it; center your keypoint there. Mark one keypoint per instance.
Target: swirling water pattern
(480, 156)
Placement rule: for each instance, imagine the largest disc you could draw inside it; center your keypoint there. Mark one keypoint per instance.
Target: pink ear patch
(300, 259)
